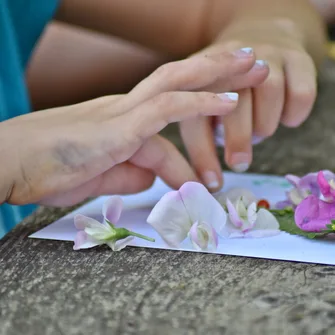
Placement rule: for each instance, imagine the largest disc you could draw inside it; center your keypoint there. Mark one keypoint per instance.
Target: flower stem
(141, 236)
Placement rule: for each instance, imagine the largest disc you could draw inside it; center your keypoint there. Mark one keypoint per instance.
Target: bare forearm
(180, 28)
(174, 27)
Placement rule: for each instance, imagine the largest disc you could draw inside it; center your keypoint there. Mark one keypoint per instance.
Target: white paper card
(137, 208)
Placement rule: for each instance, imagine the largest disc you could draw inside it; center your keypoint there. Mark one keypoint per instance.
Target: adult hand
(110, 145)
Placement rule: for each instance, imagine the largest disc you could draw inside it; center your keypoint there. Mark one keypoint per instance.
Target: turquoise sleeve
(21, 24)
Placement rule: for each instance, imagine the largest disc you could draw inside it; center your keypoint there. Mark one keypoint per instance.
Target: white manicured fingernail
(260, 64)
(244, 52)
(228, 97)
(210, 180)
(240, 161)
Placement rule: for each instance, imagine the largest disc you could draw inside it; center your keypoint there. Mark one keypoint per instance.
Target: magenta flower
(313, 214)
(189, 212)
(93, 233)
(326, 183)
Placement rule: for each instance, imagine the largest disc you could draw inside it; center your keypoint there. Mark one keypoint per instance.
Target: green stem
(141, 236)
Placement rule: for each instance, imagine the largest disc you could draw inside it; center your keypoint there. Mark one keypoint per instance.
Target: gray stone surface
(46, 288)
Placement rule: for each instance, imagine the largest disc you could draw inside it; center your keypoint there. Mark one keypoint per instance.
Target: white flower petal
(81, 222)
(100, 232)
(295, 196)
(120, 244)
(265, 221)
(241, 208)
(233, 215)
(252, 214)
(230, 231)
(170, 219)
(202, 206)
(82, 241)
(203, 236)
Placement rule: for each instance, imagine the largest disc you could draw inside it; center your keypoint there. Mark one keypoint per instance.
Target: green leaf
(287, 224)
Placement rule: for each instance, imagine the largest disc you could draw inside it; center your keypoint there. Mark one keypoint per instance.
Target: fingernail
(240, 162)
(210, 180)
(228, 97)
(244, 52)
(260, 64)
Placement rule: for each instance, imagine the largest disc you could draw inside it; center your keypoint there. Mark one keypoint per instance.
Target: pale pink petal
(294, 180)
(325, 187)
(203, 236)
(202, 206)
(170, 219)
(82, 241)
(120, 244)
(309, 181)
(266, 221)
(233, 215)
(112, 209)
(230, 231)
(81, 222)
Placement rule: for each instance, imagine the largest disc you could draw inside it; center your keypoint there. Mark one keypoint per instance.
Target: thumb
(163, 158)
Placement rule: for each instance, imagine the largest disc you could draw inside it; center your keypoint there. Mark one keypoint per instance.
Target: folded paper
(138, 207)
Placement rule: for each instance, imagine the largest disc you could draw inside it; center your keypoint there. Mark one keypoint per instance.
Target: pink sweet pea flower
(302, 188)
(93, 233)
(313, 214)
(245, 221)
(326, 183)
(189, 212)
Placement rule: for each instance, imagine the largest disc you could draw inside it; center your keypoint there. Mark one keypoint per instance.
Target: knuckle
(165, 70)
(164, 100)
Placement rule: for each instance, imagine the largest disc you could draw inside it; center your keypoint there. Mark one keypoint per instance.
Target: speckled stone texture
(46, 288)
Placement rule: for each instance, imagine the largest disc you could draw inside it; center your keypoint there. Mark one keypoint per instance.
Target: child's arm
(183, 27)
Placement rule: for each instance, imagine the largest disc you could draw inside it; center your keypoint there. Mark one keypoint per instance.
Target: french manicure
(244, 52)
(228, 97)
(210, 180)
(260, 64)
(240, 161)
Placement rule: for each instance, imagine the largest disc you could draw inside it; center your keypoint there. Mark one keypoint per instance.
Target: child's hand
(110, 145)
(286, 96)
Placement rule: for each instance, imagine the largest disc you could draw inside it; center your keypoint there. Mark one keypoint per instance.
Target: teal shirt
(21, 24)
